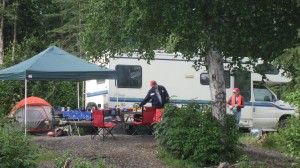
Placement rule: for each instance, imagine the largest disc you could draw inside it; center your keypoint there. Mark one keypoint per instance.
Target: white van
(263, 110)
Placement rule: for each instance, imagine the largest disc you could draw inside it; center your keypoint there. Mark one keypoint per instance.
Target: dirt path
(125, 152)
(138, 151)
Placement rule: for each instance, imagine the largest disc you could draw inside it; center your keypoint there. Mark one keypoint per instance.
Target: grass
(176, 163)
(272, 142)
(53, 158)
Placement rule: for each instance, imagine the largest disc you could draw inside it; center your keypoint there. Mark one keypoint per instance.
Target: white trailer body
(262, 108)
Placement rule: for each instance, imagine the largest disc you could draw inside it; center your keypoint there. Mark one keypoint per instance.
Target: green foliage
(16, 149)
(78, 162)
(275, 141)
(60, 161)
(57, 93)
(192, 28)
(192, 133)
(291, 135)
(291, 67)
(293, 98)
(102, 164)
(272, 141)
(169, 160)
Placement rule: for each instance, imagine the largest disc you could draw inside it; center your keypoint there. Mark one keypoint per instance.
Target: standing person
(236, 103)
(158, 95)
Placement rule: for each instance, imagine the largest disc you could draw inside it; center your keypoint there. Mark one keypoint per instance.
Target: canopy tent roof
(56, 64)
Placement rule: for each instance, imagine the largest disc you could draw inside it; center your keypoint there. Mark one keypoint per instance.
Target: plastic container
(256, 132)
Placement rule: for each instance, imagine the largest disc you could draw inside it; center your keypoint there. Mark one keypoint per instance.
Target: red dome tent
(39, 114)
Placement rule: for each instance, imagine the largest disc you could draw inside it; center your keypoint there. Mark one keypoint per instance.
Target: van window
(204, 79)
(129, 76)
(261, 93)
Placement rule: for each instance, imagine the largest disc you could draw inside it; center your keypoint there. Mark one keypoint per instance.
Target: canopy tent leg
(78, 95)
(83, 95)
(25, 106)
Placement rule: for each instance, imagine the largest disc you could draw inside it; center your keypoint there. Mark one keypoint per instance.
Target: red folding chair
(145, 122)
(158, 114)
(101, 127)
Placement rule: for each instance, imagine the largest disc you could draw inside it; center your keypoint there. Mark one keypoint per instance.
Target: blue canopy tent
(55, 64)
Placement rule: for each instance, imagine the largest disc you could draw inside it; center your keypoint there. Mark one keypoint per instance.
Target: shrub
(192, 133)
(16, 149)
(291, 135)
(274, 141)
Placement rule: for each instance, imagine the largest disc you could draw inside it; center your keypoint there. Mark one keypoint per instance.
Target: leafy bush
(16, 149)
(274, 141)
(293, 98)
(192, 133)
(291, 135)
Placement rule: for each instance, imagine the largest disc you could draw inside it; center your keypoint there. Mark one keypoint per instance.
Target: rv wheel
(91, 105)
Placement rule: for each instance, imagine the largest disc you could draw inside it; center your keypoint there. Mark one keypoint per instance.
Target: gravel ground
(138, 151)
(126, 151)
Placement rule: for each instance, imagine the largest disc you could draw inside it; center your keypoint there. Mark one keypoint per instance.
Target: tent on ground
(39, 114)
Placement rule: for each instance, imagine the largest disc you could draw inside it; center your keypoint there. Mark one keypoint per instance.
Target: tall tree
(1, 32)
(69, 18)
(15, 18)
(203, 30)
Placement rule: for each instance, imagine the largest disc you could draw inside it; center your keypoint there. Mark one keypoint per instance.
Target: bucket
(256, 132)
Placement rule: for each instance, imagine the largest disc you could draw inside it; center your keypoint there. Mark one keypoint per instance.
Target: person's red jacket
(239, 101)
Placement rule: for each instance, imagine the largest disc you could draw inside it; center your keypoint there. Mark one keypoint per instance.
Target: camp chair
(101, 127)
(158, 114)
(145, 122)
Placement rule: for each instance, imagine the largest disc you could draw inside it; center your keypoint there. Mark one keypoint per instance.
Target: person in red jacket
(235, 104)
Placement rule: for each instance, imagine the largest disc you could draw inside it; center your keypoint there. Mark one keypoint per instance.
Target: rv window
(261, 93)
(204, 79)
(129, 76)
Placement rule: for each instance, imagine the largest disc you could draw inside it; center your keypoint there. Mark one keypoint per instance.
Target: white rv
(262, 109)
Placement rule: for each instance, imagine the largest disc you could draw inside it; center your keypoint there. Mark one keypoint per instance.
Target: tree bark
(1, 34)
(217, 85)
(13, 55)
(15, 31)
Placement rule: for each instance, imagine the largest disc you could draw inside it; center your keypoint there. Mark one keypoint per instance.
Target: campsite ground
(126, 151)
(138, 151)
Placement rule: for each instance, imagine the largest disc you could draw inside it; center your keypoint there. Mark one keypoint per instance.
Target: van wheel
(283, 122)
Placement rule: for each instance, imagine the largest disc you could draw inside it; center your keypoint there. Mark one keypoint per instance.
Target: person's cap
(236, 90)
(153, 82)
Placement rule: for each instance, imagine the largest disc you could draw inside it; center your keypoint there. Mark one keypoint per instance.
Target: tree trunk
(13, 55)
(217, 85)
(1, 34)
(15, 32)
